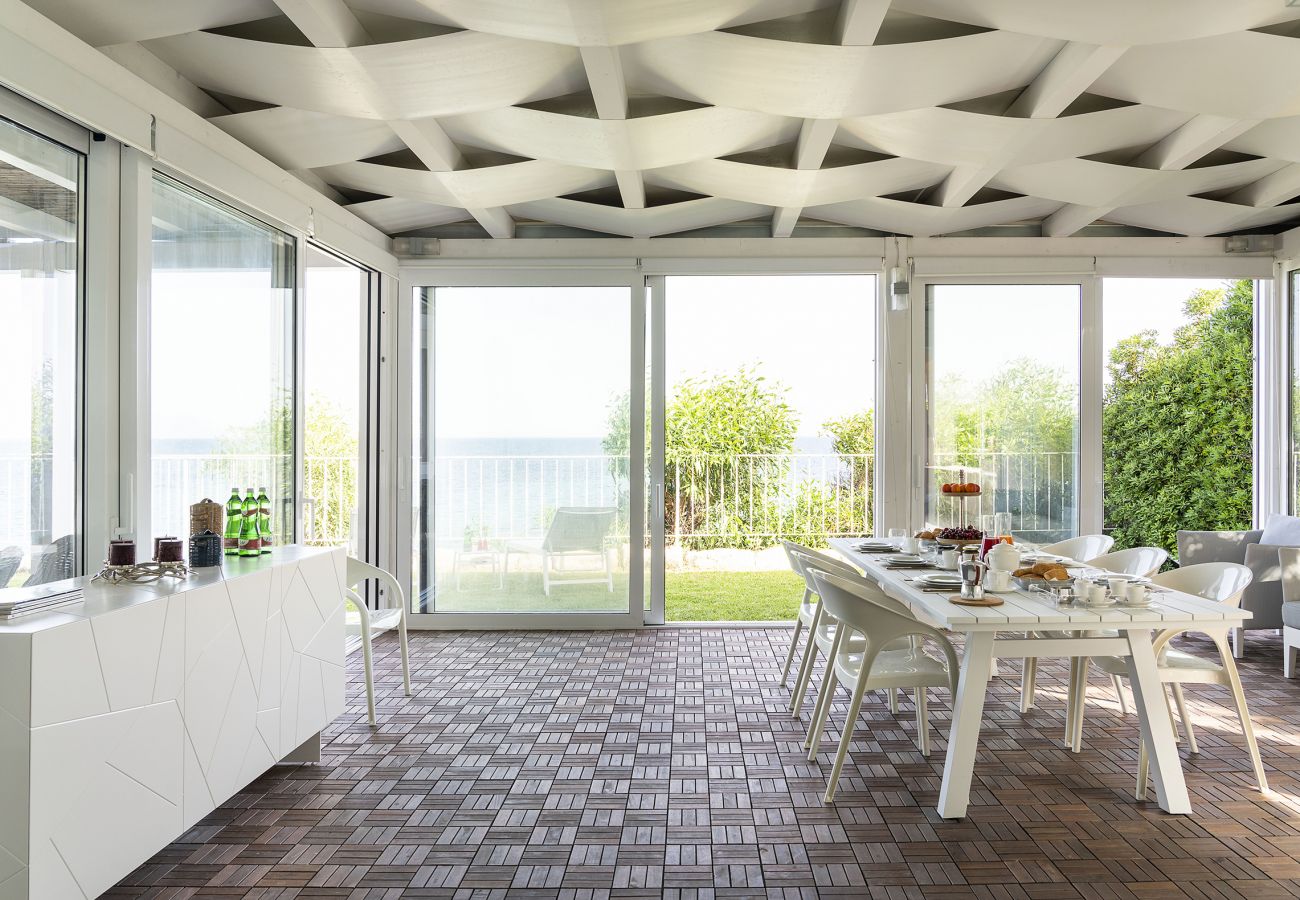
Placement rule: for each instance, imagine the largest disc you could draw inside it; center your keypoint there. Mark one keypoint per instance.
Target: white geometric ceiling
(654, 117)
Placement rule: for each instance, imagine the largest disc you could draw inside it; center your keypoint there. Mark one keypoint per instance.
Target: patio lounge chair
(576, 531)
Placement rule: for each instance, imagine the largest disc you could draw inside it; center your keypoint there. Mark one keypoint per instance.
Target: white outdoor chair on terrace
(574, 532)
(1142, 562)
(821, 633)
(366, 623)
(1218, 582)
(856, 610)
(1085, 546)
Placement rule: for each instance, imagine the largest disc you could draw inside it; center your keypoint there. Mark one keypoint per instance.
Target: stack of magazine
(24, 601)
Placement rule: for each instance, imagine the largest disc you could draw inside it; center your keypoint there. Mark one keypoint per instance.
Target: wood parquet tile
(663, 764)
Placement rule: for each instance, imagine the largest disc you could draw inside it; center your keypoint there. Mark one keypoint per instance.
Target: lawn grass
(690, 596)
(732, 596)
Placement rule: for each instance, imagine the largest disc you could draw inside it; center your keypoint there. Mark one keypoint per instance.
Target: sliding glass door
(1000, 370)
(764, 431)
(527, 416)
(40, 414)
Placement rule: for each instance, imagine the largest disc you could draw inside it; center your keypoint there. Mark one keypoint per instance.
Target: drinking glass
(897, 534)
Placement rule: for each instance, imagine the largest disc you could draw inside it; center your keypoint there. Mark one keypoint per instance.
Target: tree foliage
(1177, 424)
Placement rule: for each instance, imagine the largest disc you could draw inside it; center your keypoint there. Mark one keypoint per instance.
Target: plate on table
(905, 559)
(938, 580)
(875, 546)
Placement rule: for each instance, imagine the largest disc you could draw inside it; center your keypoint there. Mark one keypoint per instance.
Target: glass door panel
(1002, 383)
(1178, 407)
(522, 430)
(335, 309)
(221, 359)
(40, 191)
(768, 434)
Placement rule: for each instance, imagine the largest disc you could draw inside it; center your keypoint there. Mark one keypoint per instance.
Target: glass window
(40, 191)
(1178, 407)
(221, 358)
(1003, 396)
(336, 300)
(769, 434)
(522, 449)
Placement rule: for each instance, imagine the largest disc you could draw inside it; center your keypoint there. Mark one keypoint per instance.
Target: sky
(564, 351)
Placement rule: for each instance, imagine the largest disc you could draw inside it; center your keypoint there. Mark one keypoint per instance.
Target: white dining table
(1008, 631)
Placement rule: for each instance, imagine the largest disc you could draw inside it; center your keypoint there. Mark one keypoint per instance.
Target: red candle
(171, 549)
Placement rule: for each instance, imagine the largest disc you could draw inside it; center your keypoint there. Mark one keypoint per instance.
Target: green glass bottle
(264, 519)
(250, 540)
(234, 519)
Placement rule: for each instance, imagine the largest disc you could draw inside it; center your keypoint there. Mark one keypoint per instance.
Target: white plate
(906, 559)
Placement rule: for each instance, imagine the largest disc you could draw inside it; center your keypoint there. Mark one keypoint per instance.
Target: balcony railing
(1037, 490)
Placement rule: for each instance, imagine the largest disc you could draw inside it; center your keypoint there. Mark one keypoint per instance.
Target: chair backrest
(1196, 547)
(809, 559)
(820, 562)
(1139, 561)
(1221, 582)
(10, 559)
(863, 607)
(579, 528)
(57, 563)
(792, 551)
(359, 571)
(1085, 546)
(1289, 557)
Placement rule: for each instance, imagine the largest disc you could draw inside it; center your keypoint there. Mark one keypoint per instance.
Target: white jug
(1003, 557)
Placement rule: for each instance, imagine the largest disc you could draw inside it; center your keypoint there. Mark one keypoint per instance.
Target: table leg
(964, 736)
(1157, 728)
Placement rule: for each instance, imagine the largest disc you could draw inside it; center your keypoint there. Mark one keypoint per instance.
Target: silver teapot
(972, 569)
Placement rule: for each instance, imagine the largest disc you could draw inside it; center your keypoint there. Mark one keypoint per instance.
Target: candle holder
(140, 573)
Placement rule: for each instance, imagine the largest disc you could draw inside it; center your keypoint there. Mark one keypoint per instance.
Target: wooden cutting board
(986, 601)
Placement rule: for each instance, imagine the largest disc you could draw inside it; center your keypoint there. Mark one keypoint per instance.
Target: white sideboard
(127, 717)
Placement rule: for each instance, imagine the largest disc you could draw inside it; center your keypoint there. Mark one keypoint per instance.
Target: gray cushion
(1289, 557)
(1263, 596)
(1284, 531)
(1214, 546)
(1291, 614)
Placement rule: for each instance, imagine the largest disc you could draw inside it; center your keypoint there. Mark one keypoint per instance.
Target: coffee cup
(948, 560)
(1117, 586)
(1096, 595)
(910, 545)
(1136, 595)
(1081, 586)
(997, 580)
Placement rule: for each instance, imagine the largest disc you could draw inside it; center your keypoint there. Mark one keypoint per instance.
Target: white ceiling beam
(331, 23)
(138, 59)
(1071, 217)
(1271, 190)
(815, 136)
(430, 143)
(858, 25)
(604, 68)
(35, 222)
(631, 185)
(326, 23)
(1192, 140)
(495, 221)
(1063, 80)
(310, 178)
(859, 22)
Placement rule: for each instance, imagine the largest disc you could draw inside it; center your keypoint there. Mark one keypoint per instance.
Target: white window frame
(531, 276)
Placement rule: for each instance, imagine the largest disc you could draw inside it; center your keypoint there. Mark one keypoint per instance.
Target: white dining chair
(1140, 562)
(858, 608)
(820, 633)
(1218, 582)
(367, 623)
(807, 605)
(1085, 546)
